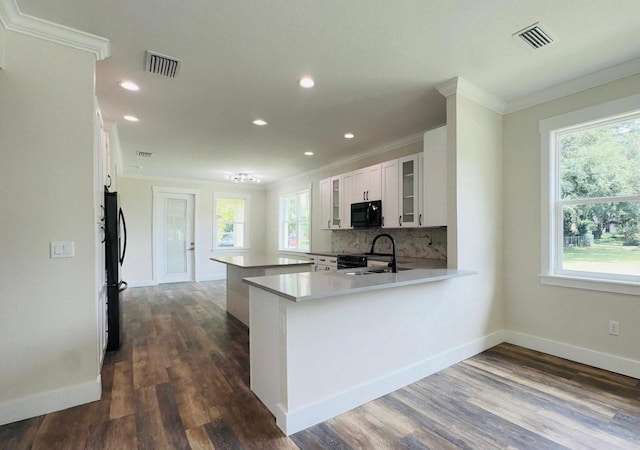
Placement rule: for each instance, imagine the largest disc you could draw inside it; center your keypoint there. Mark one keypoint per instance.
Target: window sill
(613, 286)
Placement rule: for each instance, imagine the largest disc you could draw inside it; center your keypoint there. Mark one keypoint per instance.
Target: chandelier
(243, 178)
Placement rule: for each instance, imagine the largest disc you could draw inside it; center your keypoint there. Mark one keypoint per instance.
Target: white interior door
(175, 237)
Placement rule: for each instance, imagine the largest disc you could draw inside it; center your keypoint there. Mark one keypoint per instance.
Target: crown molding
(191, 181)
(589, 81)
(407, 140)
(460, 86)
(14, 20)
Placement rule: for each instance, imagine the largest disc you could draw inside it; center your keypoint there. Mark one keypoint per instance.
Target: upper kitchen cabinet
(332, 202)
(390, 193)
(408, 191)
(400, 192)
(433, 205)
(368, 184)
(347, 193)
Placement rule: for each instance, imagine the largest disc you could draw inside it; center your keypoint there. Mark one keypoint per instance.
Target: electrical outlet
(614, 327)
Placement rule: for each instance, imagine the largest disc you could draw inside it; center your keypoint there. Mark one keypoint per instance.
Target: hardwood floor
(181, 380)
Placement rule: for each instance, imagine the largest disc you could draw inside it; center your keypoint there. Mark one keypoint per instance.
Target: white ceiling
(376, 63)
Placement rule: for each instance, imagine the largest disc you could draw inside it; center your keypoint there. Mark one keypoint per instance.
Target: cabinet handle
(363, 195)
(382, 221)
(339, 223)
(367, 195)
(109, 178)
(329, 223)
(400, 220)
(420, 220)
(104, 235)
(103, 213)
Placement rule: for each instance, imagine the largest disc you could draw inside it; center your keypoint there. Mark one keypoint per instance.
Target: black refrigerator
(115, 248)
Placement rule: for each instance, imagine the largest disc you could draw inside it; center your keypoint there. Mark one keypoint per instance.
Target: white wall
(321, 239)
(474, 231)
(137, 204)
(2, 46)
(48, 322)
(562, 315)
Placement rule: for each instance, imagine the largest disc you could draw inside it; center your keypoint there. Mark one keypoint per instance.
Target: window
(591, 197)
(231, 221)
(295, 211)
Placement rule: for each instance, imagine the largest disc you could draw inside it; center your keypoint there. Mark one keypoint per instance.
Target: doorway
(174, 235)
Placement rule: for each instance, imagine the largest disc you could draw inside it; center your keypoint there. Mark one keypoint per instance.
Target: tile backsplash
(412, 242)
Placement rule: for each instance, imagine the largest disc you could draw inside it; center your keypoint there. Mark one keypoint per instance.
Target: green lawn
(608, 256)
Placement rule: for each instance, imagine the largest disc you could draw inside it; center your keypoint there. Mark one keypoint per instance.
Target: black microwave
(366, 214)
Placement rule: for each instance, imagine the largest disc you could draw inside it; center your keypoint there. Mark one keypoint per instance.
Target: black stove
(351, 261)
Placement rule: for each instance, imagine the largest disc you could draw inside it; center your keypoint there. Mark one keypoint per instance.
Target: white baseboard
(293, 421)
(582, 355)
(142, 283)
(46, 402)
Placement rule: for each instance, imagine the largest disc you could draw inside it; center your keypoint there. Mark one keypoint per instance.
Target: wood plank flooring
(181, 380)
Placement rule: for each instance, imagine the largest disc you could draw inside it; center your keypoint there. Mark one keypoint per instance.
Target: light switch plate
(62, 249)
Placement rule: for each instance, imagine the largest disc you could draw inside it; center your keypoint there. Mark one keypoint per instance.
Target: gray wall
(566, 315)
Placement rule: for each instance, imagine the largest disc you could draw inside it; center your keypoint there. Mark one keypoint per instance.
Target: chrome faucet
(394, 260)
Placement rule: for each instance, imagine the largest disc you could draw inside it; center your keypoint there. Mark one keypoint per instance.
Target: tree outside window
(295, 212)
(230, 224)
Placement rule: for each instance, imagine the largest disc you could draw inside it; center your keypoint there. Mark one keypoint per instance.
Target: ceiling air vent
(162, 64)
(535, 36)
(145, 154)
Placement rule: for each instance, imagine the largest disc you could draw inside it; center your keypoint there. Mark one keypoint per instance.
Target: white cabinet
(400, 192)
(326, 263)
(322, 263)
(368, 184)
(331, 203)
(433, 190)
(347, 198)
(408, 191)
(101, 163)
(325, 204)
(390, 210)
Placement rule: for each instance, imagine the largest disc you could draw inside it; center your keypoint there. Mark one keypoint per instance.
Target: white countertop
(301, 287)
(254, 261)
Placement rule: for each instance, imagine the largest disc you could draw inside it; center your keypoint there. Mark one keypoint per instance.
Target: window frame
(227, 195)
(552, 205)
(282, 222)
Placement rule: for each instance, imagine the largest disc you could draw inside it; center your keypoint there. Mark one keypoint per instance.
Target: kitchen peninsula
(322, 343)
(242, 266)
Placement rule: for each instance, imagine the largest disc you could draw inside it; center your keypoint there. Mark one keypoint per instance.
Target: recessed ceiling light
(131, 118)
(307, 82)
(308, 153)
(349, 135)
(259, 122)
(129, 86)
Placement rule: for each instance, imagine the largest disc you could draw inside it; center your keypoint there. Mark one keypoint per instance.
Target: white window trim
(247, 242)
(281, 248)
(549, 161)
